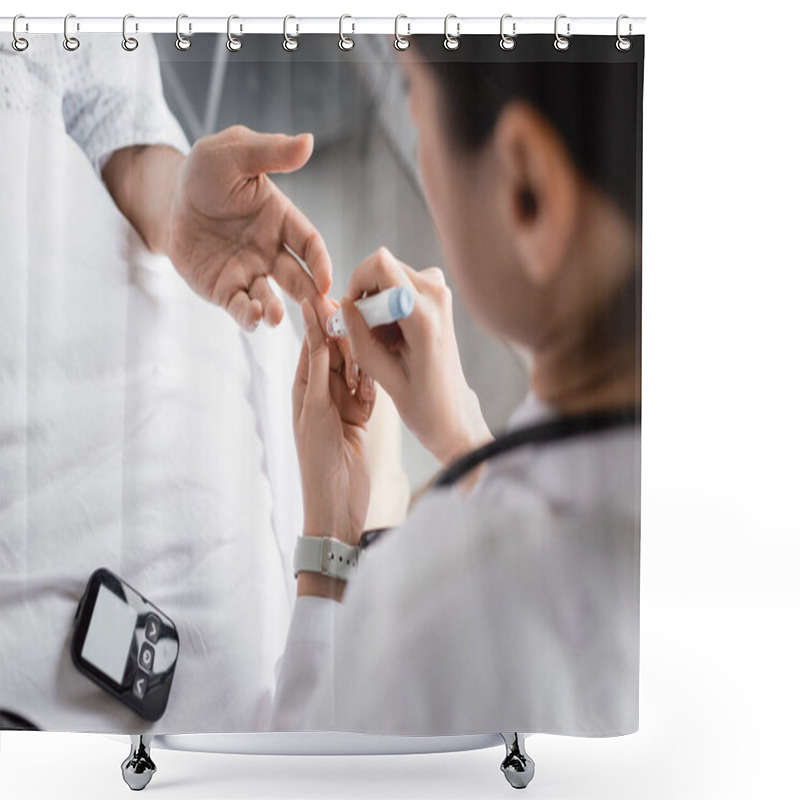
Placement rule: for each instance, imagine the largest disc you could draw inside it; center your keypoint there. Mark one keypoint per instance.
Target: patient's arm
(223, 222)
(142, 180)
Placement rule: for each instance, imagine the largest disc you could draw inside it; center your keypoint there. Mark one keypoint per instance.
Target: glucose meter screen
(108, 640)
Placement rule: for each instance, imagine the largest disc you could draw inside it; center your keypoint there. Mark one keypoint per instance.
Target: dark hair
(592, 105)
(592, 97)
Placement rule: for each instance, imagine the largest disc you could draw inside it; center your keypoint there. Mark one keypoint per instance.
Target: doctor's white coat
(514, 608)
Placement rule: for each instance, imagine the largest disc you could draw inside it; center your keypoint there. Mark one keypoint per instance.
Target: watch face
(125, 644)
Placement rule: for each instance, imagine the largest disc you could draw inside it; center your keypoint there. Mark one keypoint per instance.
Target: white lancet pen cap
(382, 308)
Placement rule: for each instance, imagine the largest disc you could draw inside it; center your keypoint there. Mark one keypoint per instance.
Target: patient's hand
(331, 437)
(228, 225)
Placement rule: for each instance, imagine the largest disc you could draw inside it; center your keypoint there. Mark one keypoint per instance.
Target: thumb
(273, 152)
(319, 357)
(372, 356)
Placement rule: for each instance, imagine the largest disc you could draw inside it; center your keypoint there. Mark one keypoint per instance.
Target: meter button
(152, 628)
(139, 685)
(146, 655)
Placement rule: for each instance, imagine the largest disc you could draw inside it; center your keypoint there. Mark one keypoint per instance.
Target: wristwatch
(326, 556)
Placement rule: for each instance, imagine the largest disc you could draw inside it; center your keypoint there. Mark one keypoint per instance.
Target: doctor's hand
(229, 224)
(416, 360)
(331, 437)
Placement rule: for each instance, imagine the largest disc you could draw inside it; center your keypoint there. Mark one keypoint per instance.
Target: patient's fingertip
(251, 314)
(323, 275)
(273, 314)
(305, 142)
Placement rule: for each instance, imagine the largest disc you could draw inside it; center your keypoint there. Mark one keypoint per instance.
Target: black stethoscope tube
(555, 430)
(542, 433)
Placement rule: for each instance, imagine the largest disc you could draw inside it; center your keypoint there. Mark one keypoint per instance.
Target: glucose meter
(125, 644)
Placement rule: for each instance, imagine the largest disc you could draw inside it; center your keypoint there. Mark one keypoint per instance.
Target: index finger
(292, 277)
(377, 272)
(306, 242)
(382, 271)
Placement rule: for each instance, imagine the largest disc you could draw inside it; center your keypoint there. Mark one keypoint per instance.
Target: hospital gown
(140, 429)
(107, 99)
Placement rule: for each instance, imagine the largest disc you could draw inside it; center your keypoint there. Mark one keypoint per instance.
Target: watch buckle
(327, 556)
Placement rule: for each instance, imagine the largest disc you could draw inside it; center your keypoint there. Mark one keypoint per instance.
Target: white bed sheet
(141, 431)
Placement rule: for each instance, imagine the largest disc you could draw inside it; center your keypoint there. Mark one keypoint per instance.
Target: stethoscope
(551, 431)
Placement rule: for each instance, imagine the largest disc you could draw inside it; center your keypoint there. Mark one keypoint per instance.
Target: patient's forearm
(142, 180)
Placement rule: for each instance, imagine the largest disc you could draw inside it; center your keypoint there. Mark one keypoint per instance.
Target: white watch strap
(325, 555)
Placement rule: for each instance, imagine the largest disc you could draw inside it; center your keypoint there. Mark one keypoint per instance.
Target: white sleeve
(304, 674)
(114, 99)
(479, 614)
(357, 666)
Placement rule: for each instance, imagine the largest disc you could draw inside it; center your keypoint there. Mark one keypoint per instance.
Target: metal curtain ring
(289, 43)
(451, 42)
(561, 42)
(345, 43)
(71, 43)
(128, 42)
(401, 42)
(507, 42)
(181, 42)
(623, 44)
(233, 44)
(19, 44)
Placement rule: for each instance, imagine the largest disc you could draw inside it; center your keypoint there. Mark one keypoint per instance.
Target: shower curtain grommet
(401, 42)
(290, 44)
(71, 43)
(508, 42)
(623, 44)
(20, 44)
(345, 42)
(233, 44)
(451, 42)
(561, 43)
(129, 43)
(181, 42)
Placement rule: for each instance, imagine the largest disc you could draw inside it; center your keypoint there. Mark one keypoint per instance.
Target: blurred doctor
(509, 601)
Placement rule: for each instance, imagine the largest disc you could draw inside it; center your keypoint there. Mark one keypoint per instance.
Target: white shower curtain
(142, 430)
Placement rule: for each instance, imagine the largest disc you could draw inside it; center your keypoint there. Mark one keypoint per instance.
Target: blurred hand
(416, 360)
(331, 437)
(229, 224)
